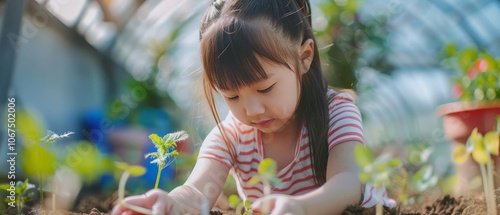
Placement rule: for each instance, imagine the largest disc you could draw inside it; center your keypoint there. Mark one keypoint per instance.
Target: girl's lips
(264, 123)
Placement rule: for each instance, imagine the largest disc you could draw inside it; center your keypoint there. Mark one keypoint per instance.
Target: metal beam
(9, 37)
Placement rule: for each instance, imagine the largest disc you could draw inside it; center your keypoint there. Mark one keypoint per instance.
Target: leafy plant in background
(375, 170)
(478, 74)
(481, 149)
(351, 40)
(267, 175)
(129, 170)
(166, 150)
(238, 205)
(21, 193)
(147, 85)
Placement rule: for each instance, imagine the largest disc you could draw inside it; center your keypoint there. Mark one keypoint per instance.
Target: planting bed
(96, 204)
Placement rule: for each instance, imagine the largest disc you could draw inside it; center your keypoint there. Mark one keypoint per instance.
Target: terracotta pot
(459, 119)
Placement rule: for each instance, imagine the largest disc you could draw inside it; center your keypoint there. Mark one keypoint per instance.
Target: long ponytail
(313, 108)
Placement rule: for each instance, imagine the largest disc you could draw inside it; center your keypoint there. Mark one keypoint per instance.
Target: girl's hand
(157, 200)
(278, 204)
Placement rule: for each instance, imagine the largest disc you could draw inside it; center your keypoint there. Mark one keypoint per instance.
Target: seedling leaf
(155, 139)
(426, 172)
(426, 153)
(460, 154)
(363, 155)
(468, 55)
(247, 204)
(267, 168)
(491, 141)
(38, 160)
(394, 163)
(480, 155)
(364, 177)
(233, 200)
(380, 167)
(134, 170)
(254, 180)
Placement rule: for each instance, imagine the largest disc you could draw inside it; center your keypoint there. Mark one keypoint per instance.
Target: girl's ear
(306, 53)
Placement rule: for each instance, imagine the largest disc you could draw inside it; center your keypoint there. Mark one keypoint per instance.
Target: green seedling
(166, 149)
(39, 160)
(413, 186)
(417, 176)
(21, 194)
(375, 170)
(236, 203)
(481, 149)
(129, 170)
(267, 175)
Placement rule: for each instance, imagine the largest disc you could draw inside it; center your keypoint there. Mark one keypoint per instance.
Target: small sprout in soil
(39, 160)
(166, 150)
(267, 175)
(375, 170)
(18, 193)
(417, 177)
(128, 171)
(481, 149)
(236, 203)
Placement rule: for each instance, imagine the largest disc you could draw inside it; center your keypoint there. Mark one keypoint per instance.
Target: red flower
(480, 65)
(457, 90)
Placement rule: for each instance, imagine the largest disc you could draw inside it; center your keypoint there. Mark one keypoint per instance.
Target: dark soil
(445, 205)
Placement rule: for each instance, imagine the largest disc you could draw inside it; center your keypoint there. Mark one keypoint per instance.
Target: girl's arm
(202, 187)
(342, 187)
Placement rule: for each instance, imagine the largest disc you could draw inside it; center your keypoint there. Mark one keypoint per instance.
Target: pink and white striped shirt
(297, 177)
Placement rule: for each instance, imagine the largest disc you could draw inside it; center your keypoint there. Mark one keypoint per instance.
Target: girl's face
(269, 104)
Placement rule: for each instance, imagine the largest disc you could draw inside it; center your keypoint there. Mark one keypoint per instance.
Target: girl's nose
(254, 108)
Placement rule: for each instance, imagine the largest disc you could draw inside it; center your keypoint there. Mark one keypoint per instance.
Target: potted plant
(477, 88)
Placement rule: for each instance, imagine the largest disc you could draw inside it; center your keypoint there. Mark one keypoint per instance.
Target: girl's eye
(266, 90)
(232, 98)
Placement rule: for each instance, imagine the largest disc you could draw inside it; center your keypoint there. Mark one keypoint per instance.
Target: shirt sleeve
(214, 146)
(345, 120)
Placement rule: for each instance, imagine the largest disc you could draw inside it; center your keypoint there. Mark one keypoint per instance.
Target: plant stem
(54, 202)
(491, 187)
(121, 196)
(41, 193)
(239, 208)
(158, 176)
(267, 192)
(19, 205)
(378, 208)
(486, 186)
(485, 181)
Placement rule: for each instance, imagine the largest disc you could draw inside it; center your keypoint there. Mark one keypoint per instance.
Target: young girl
(261, 57)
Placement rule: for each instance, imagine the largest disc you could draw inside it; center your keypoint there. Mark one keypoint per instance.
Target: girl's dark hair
(233, 32)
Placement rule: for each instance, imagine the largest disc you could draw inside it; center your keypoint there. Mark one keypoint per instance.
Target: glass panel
(67, 11)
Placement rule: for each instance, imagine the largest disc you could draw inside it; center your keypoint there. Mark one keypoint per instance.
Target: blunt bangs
(230, 48)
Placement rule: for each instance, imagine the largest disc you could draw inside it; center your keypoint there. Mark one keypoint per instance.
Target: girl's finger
(258, 205)
(146, 200)
(164, 205)
(278, 210)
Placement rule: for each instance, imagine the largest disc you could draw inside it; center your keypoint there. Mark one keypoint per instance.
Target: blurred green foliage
(476, 73)
(350, 38)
